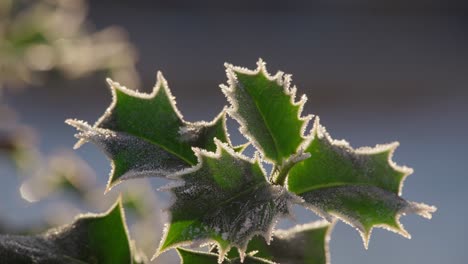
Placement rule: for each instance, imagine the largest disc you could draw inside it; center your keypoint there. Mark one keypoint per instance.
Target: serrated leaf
(302, 244)
(359, 186)
(195, 257)
(145, 135)
(225, 199)
(266, 110)
(92, 238)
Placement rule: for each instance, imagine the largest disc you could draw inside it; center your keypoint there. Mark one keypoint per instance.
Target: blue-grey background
(374, 71)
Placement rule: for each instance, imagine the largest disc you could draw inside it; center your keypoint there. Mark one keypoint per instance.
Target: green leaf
(304, 244)
(225, 199)
(92, 238)
(195, 257)
(266, 110)
(145, 135)
(361, 186)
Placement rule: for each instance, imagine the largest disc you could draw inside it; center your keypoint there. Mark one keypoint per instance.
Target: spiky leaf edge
(222, 251)
(420, 209)
(281, 79)
(277, 234)
(161, 83)
(181, 251)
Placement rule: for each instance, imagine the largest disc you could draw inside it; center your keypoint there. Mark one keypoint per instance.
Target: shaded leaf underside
(145, 135)
(303, 244)
(226, 199)
(194, 257)
(90, 239)
(361, 187)
(266, 110)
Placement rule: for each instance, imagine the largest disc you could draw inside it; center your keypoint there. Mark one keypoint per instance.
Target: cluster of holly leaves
(227, 200)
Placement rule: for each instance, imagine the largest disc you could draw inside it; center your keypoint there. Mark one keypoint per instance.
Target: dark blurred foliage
(42, 41)
(39, 37)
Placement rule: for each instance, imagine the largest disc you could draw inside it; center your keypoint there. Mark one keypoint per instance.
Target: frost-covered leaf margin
(258, 122)
(91, 237)
(253, 206)
(335, 199)
(169, 154)
(196, 257)
(301, 244)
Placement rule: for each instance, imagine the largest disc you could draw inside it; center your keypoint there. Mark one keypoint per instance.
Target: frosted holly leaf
(361, 186)
(266, 110)
(92, 238)
(145, 135)
(195, 257)
(303, 244)
(225, 199)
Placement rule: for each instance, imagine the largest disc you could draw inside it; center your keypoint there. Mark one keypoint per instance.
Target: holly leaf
(225, 199)
(92, 238)
(302, 244)
(195, 257)
(145, 134)
(361, 186)
(266, 110)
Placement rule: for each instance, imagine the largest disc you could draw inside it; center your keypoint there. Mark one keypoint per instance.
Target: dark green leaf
(145, 135)
(304, 244)
(90, 239)
(195, 257)
(225, 199)
(360, 186)
(266, 110)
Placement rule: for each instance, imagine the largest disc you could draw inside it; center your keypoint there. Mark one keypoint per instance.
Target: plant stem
(283, 170)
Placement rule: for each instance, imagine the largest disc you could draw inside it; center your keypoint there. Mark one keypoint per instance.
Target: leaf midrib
(264, 121)
(163, 147)
(336, 184)
(226, 201)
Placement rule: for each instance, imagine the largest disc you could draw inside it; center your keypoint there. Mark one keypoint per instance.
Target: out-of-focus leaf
(62, 171)
(91, 238)
(44, 36)
(306, 244)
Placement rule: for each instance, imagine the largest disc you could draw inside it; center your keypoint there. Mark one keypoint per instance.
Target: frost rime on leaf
(131, 156)
(195, 257)
(266, 110)
(145, 135)
(362, 187)
(302, 244)
(91, 238)
(226, 199)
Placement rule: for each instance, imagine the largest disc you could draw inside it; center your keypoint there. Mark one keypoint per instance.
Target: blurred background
(374, 71)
